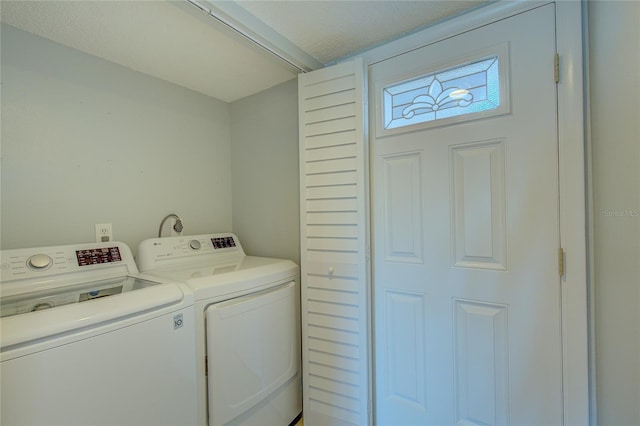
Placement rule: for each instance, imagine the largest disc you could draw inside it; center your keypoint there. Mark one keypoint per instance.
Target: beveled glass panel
(461, 90)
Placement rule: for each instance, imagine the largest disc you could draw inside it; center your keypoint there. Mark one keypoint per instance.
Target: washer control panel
(44, 261)
(99, 255)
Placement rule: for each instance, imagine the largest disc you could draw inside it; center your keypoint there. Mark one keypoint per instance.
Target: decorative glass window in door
(465, 89)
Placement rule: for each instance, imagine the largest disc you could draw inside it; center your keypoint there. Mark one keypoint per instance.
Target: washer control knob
(39, 262)
(195, 244)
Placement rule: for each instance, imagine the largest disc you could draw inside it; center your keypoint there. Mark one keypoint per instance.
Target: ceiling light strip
(242, 32)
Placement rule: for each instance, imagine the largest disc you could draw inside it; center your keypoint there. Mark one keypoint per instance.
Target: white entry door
(464, 158)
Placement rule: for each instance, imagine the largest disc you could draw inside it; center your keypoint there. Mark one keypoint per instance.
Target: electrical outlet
(104, 232)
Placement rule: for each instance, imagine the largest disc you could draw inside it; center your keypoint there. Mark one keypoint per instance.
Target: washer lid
(50, 298)
(137, 297)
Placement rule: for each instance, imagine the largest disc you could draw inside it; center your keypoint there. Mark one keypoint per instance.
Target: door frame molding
(576, 340)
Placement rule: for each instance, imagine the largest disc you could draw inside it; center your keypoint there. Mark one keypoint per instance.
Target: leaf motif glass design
(466, 89)
(437, 98)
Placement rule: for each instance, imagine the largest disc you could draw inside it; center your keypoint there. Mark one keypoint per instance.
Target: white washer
(247, 325)
(86, 341)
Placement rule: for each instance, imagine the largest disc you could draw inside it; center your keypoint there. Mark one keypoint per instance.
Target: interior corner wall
(265, 174)
(614, 67)
(86, 141)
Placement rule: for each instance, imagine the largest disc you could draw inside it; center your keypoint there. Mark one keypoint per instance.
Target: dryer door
(252, 351)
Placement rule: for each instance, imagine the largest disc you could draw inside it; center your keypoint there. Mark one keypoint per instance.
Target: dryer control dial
(195, 244)
(39, 262)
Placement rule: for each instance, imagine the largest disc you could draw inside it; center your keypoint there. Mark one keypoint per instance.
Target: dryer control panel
(223, 242)
(157, 252)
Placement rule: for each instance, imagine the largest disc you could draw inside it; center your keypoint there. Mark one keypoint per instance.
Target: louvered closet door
(333, 246)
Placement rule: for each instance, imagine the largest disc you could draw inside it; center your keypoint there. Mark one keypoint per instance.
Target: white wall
(265, 175)
(614, 68)
(86, 141)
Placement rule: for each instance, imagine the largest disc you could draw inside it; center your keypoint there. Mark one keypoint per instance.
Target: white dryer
(86, 341)
(247, 325)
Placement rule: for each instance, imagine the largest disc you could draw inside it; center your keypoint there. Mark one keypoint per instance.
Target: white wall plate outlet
(104, 232)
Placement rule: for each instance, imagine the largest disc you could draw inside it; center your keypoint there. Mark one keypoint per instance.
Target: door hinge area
(556, 68)
(561, 262)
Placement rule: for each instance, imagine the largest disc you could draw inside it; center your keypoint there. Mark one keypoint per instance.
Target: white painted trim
(238, 19)
(573, 226)
(593, 410)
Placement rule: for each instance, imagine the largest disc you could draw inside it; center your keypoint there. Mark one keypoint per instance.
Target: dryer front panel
(253, 350)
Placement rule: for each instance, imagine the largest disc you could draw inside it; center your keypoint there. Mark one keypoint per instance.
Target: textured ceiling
(170, 40)
(175, 41)
(329, 29)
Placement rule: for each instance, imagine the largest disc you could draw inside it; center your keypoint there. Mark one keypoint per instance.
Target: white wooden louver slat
(332, 231)
(328, 153)
(330, 85)
(332, 205)
(333, 310)
(323, 192)
(342, 388)
(332, 166)
(331, 113)
(334, 139)
(325, 179)
(334, 260)
(336, 125)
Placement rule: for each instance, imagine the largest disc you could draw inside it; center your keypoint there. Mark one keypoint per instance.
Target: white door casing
(465, 235)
